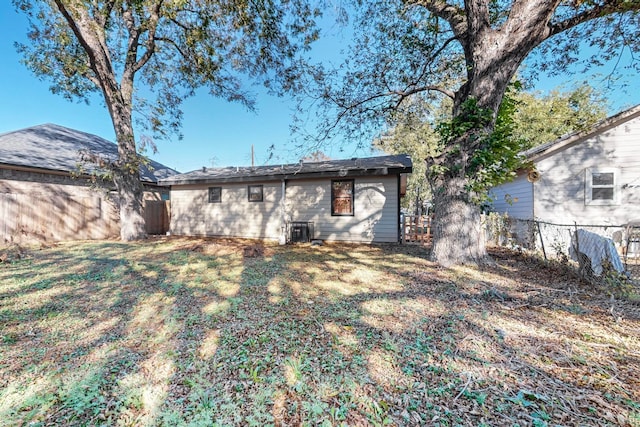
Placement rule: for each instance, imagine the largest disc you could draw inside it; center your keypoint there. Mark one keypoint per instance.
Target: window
(342, 197)
(602, 186)
(255, 193)
(215, 194)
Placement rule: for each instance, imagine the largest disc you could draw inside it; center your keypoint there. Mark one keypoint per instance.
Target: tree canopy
(536, 118)
(127, 50)
(468, 51)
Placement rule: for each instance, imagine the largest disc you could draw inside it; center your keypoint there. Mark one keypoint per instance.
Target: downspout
(399, 228)
(282, 240)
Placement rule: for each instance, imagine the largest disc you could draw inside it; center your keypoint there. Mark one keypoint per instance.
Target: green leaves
(169, 48)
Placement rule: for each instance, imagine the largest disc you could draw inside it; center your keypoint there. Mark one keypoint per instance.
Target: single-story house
(356, 200)
(588, 178)
(46, 188)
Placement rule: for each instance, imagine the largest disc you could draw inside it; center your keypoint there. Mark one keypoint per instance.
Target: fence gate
(416, 229)
(156, 216)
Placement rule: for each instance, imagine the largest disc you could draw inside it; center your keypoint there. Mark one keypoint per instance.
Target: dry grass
(207, 332)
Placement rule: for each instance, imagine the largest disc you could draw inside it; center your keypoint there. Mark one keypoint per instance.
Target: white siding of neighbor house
(375, 216)
(560, 192)
(514, 198)
(375, 206)
(235, 216)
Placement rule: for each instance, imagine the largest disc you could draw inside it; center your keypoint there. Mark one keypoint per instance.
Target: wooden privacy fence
(156, 216)
(416, 229)
(58, 217)
(36, 217)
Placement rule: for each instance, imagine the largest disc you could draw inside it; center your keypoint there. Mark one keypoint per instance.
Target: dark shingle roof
(381, 165)
(57, 148)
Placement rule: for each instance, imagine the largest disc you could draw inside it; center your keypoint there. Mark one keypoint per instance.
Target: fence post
(541, 240)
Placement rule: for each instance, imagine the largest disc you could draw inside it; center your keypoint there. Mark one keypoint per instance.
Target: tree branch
(151, 41)
(454, 15)
(598, 11)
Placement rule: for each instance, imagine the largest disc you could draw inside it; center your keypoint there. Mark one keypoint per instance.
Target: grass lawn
(192, 332)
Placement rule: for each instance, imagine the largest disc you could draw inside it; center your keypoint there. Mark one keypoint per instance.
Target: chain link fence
(604, 255)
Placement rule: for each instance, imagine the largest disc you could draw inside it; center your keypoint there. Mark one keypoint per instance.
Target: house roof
(381, 165)
(565, 141)
(57, 148)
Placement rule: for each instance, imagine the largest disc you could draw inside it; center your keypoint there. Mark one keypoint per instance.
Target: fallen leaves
(197, 331)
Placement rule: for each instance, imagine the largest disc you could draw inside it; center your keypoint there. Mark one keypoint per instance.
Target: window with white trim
(602, 187)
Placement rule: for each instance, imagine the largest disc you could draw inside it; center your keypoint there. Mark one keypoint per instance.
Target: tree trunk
(127, 178)
(91, 33)
(458, 237)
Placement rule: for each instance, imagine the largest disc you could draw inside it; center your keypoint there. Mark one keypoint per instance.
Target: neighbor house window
(342, 197)
(215, 194)
(602, 186)
(255, 193)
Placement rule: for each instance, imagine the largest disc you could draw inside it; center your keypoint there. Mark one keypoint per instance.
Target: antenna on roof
(252, 156)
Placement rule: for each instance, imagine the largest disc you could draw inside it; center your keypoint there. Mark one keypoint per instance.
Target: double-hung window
(602, 186)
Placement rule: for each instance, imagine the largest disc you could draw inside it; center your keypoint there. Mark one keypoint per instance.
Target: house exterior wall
(375, 216)
(514, 198)
(560, 193)
(375, 209)
(234, 216)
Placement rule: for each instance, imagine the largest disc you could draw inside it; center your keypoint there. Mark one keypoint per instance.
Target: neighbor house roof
(565, 141)
(381, 165)
(57, 148)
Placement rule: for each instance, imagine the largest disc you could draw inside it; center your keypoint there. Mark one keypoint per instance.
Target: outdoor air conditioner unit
(300, 232)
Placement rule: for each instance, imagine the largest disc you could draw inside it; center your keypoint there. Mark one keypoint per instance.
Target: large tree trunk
(91, 32)
(458, 237)
(127, 178)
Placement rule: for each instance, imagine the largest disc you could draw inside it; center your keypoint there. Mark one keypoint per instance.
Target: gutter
(312, 175)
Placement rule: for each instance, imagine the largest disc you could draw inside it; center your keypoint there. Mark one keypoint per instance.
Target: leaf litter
(176, 331)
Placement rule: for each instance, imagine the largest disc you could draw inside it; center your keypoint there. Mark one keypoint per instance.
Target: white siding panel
(560, 193)
(514, 198)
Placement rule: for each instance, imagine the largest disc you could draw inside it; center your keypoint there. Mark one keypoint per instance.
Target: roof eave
(574, 138)
(380, 171)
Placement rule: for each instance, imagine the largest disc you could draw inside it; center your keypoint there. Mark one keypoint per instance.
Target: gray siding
(235, 216)
(375, 216)
(375, 204)
(514, 198)
(560, 193)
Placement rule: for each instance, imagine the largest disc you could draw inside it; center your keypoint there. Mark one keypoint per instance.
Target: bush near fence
(553, 242)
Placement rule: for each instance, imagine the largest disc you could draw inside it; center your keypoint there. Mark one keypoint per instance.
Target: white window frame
(589, 187)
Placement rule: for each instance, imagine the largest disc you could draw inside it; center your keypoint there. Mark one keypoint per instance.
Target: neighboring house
(590, 177)
(355, 200)
(47, 193)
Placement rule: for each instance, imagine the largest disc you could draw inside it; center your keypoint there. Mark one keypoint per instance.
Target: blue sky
(216, 133)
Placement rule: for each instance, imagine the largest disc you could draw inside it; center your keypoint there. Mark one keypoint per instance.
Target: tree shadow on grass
(190, 332)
